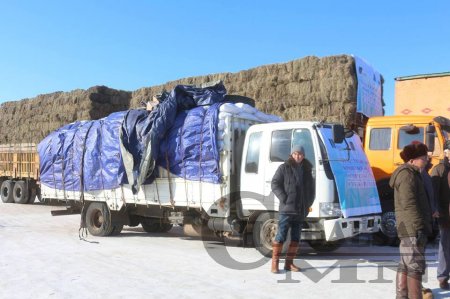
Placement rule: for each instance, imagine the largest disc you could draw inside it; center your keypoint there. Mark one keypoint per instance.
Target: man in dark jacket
(440, 178)
(413, 217)
(293, 186)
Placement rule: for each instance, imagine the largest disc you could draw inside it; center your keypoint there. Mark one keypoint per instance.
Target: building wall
(423, 95)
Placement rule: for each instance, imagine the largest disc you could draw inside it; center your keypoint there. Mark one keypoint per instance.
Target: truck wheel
(7, 191)
(98, 219)
(31, 196)
(264, 232)
(117, 229)
(165, 227)
(20, 192)
(154, 226)
(388, 224)
(150, 227)
(323, 246)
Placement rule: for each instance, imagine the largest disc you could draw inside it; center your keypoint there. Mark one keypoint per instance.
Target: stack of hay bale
(310, 88)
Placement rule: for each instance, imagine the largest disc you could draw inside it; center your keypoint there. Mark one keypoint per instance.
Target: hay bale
(310, 88)
(30, 120)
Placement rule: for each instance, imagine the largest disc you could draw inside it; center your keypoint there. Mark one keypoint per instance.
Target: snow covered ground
(41, 256)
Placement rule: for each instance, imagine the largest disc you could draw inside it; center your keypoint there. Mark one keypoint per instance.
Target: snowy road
(41, 256)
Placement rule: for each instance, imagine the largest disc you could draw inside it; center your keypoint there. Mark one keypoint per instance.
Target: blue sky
(48, 46)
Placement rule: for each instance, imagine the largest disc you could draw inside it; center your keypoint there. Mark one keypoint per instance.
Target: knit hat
(413, 151)
(298, 148)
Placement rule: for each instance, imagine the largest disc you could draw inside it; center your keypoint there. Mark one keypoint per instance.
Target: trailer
(19, 173)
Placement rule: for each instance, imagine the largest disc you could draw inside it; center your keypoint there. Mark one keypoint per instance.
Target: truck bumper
(336, 229)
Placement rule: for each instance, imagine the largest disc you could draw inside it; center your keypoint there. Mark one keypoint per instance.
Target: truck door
(380, 151)
(252, 173)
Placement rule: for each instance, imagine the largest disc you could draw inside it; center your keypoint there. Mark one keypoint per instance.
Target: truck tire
(388, 224)
(264, 232)
(155, 226)
(98, 219)
(323, 246)
(20, 192)
(31, 196)
(165, 227)
(117, 229)
(7, 191)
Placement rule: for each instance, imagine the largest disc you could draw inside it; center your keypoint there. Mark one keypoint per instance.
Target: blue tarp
(125, 146)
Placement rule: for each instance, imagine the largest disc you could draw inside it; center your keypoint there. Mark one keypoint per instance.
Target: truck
(384, 139)
(241, 202)
(19, 173)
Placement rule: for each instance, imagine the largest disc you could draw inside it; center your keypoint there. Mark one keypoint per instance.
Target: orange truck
(384, 139)
(19, 173)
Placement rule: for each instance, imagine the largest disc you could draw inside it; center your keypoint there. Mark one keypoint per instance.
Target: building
(427, 94)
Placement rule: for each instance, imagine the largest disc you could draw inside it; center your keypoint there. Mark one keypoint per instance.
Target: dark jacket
(412, 210)
(429, 190)
(439, 177)
(293, 185)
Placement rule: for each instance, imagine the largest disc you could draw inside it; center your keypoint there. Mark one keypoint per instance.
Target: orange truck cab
(384, 139)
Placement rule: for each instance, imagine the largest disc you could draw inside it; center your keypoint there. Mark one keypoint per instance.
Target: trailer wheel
(323, 246)
(264, 232)
(7, 191)
(20, 192)
(98, 219)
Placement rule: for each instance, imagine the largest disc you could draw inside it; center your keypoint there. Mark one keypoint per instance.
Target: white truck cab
(267, 146)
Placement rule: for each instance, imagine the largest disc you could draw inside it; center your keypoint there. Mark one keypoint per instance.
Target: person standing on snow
(293, 186)
(413, 217)
(441, 180)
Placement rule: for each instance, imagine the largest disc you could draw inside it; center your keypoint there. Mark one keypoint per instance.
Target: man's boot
(290, 255)
(276, 252)
(401, 285)
(414, 282)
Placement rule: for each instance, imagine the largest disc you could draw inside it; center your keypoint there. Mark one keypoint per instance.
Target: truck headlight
(329, 209)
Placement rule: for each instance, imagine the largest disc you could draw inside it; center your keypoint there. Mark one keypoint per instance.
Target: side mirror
(429, 137)
(338, 133)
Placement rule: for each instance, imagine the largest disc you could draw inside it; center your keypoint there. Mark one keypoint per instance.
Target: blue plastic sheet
(125, 147)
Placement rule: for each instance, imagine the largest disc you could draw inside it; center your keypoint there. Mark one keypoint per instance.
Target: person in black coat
(293, 186)
(441, 183)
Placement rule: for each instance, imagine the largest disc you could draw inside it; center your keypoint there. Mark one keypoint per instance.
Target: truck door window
(280, 145)
(405, 137)
(252, 159)
(303, 137)
(380, 139)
